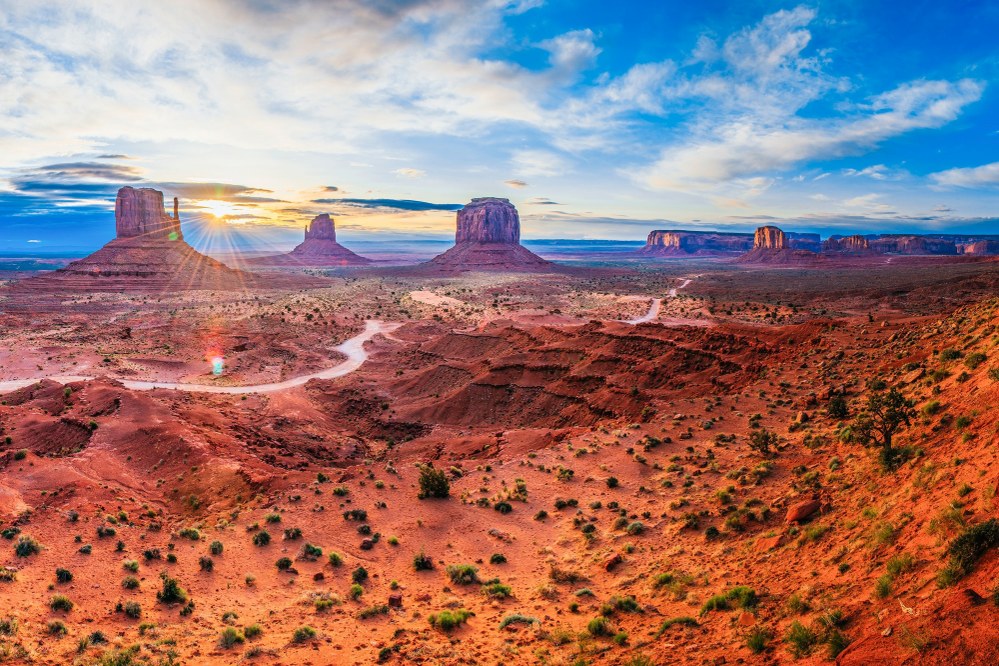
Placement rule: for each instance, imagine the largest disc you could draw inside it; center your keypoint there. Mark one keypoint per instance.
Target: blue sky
(599, 120)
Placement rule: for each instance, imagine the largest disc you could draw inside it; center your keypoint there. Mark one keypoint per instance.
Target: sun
(218, 208)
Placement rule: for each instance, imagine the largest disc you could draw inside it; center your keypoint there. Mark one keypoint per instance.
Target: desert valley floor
(594, 427)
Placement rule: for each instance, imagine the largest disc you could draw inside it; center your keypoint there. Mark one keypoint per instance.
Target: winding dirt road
(657, 304)
(352, 348)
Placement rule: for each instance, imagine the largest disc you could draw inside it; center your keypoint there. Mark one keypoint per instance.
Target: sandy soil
(596, 469)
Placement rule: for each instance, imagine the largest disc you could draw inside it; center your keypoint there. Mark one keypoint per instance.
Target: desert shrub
(757, 640)
(359, 575)
(230, 637)
(801, 639)
(682, 621)
(130, 583)
(292, 533)
(883, 416)
(422, 562)
(130, 565)
(837, 407)
(463, 574)
(9, 626)
(517, 618)
(172, 592)
(132, 609)
(447, 620)
(272, 518)
(206, 563)
(497, 558)
(433, 482)
(967, 548)
(372, 611)
(336, 559)
(975, 359)
(283, 564)
(762, 441)
(599, 626)
(741, 596)
(261, 538)
(64, 575)
(503, 507)
(949, 354)
(190, 533)
(26, 547)
(612, 482)
(303, 634)
(60, 602)
(252, 631)
(496, 590)
(215, 548)
(8, 575)
(56, 628)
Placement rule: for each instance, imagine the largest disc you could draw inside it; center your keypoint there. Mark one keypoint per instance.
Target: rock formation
(487, 237)
(913, 245)
(771, 246)
(854, 245)
(318, 249)
(982, 248)
(769, 238)
(139, 213)
(700, 243)
(149, 254)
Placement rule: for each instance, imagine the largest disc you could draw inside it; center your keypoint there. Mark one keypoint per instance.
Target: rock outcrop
(913, 245)
(770, 238)
(318, 249)
(771, 246)
(678, 243)
(982, 248)
(487, 238)
(148, 255)
(139, 213)
(855, 245)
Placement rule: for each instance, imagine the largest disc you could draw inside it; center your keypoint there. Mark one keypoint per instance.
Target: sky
(598, 120)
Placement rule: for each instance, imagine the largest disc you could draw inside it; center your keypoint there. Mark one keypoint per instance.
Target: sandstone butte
(487, 238)
(148, 255)
(320, 248)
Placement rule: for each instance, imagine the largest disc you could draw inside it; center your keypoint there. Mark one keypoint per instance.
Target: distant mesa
(981, 248)
(848, 245)
(676, 243)
(772, 246)
(318, 249)
(913, 245)
(149, 254)
(487, 238)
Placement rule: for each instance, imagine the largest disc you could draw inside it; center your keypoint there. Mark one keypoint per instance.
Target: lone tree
(882, 417)
(433, 482)
(762, 440)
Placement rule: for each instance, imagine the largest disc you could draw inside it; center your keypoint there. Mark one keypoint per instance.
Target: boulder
(802, 511)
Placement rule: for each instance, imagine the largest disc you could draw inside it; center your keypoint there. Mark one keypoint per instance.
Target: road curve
(656, 305)
(352, 348)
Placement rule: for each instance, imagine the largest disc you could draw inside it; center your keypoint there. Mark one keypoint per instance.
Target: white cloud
(408, 172)
(986, 175)
(537, 163)
(515, 183)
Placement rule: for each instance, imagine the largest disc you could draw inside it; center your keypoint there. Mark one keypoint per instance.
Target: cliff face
(913, 245)
(982, 248)
(672, 243)
(488, 220)
(769, 238)
(139, 213)
(855, 244)
(321, 228)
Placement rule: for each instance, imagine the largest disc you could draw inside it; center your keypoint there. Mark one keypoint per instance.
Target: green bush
(517, 618)
(230, 637)
(463, 574)
(433, 482)
(801, 639)
(448, 620)
(967, 548)
(172, 592)
(60, 602)
(26, 546)
(740, 596)
(303, 634)
(599, 626)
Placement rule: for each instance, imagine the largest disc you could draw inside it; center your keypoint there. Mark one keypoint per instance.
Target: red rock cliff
(488, 220)
(139, 212)
(769, 238)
